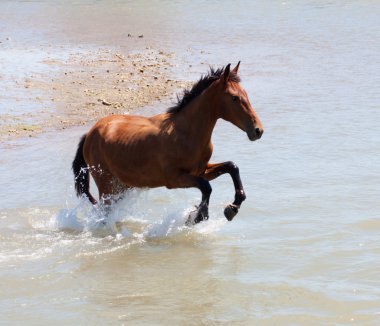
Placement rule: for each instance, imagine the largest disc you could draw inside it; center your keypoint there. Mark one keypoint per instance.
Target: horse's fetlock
(243, 195)
(240, 196)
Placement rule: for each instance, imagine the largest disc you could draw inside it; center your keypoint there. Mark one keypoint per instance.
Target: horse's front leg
(189, 181)
(215, 170)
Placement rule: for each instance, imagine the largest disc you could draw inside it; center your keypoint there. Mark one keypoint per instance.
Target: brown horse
(171, 149)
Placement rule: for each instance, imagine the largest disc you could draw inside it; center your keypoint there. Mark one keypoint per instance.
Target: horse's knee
(232, 167)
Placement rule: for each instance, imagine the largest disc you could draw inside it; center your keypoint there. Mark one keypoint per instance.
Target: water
(304, 248)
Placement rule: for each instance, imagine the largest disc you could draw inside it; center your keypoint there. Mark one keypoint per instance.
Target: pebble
(104, 102)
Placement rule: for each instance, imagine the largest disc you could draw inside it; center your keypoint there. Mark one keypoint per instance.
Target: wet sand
(86, 86)
(61, 68)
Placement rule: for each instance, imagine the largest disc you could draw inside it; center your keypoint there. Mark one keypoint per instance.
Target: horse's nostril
(259, 132)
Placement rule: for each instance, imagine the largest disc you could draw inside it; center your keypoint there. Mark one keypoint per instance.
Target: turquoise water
(304, 248)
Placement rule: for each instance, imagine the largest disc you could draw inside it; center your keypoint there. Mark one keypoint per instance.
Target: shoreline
(81, 87)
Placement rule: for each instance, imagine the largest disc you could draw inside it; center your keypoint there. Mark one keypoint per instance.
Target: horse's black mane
(203, 83)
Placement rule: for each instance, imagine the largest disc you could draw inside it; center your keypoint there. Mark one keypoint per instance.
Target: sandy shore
(60, 68)
(87, 85)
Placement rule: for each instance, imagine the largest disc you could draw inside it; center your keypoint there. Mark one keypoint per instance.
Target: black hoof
(230, 211)
(201, 215)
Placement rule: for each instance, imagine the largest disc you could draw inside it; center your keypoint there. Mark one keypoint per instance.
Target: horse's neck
(197, 120)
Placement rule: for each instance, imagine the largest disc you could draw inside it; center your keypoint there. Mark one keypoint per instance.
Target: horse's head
(235, 106)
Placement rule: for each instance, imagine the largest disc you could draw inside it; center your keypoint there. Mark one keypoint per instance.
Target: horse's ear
(226, 74)
(235, 70)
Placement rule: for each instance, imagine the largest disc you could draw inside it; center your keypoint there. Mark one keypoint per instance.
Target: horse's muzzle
(255, 133)
(259, 132)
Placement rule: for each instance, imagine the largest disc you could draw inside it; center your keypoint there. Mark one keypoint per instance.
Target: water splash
(135, 216)
(175, 224)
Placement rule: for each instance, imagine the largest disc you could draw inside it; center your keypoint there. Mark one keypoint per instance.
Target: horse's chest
(197, 161)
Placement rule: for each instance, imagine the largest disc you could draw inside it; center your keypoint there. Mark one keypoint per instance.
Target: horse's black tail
(81, 173)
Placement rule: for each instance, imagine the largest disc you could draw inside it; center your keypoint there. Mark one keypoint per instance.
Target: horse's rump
(126, 147)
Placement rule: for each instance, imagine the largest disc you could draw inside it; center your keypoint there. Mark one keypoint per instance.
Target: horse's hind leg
(109, 187)
(215, 170)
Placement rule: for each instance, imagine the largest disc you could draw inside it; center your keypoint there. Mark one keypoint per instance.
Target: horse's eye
(235, 98)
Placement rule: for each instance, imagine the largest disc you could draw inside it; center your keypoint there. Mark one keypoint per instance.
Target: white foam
(175, 224)
(135, 216)
(87, 218)
(66, 219)
(170, 225)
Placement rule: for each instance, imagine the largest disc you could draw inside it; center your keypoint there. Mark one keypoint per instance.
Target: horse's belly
(137, 169)
(141, 178)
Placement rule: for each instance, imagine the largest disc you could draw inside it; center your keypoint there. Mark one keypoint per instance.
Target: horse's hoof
(201, 214)
(192, 221)
(200, 217)
(230, 211)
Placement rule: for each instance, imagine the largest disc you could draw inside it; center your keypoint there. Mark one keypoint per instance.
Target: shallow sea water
(304, 248)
